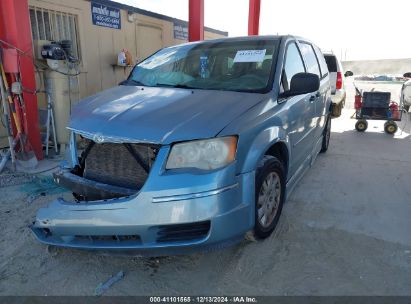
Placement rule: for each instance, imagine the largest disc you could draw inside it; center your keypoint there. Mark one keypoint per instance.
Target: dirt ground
(345, 230)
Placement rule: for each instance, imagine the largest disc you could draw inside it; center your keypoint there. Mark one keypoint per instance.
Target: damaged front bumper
(89, 188)
(173, 213)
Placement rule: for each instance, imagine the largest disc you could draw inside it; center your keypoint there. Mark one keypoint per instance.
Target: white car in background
(338, 93)
(406, 92)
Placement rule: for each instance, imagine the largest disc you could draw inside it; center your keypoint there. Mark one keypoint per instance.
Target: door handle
(314, 96)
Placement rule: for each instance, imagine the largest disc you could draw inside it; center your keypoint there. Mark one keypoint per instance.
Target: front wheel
(407, 108)
(269, 195)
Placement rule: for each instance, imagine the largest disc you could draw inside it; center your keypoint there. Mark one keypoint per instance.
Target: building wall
(99, 46)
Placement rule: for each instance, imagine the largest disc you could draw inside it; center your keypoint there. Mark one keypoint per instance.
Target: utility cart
(375, 105)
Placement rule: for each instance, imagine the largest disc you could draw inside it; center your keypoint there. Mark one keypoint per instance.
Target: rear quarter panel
(333, 81)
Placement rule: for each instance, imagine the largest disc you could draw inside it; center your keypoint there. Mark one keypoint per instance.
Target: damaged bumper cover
(195, 212)
(89, 187)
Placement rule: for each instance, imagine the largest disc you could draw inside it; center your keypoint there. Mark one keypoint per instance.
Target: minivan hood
(159, 115)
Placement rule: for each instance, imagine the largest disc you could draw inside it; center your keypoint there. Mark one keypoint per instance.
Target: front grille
(122, 165)
(183, 232)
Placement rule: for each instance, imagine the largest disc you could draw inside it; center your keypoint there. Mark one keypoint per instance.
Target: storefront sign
(106, 16)
(180, 31)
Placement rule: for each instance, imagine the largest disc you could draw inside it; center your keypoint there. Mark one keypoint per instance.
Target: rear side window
(310, 58)
(293, 65)
(321, 60)
(331, 62)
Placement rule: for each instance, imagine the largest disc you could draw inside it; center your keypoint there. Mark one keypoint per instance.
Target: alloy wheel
(269, 199)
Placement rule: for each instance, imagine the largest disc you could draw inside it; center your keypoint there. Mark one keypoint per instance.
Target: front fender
(261, 144)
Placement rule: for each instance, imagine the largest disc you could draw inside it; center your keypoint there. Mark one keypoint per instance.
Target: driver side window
(293, 65)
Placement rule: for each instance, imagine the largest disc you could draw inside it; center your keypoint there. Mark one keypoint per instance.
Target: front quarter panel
(258, 129)
(260, 145)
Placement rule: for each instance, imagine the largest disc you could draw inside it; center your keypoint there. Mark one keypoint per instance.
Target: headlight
(206, 154)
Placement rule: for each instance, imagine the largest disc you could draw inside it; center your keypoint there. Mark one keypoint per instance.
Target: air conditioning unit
(38, 47)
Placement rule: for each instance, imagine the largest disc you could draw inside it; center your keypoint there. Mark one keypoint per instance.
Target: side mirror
(303, 83)
(407, 75)
(348, 74)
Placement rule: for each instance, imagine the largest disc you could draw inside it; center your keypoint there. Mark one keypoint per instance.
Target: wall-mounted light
(130, 16)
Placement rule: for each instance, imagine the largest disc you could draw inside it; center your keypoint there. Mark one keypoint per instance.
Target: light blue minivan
(200, 145)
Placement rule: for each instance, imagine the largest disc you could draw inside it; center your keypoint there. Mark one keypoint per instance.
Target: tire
(390, 127)
(407, 108)
(336, 110)
(326, 136)
(361, 125)
(269, 169)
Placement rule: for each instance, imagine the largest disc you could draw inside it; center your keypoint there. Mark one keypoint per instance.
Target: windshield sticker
(204, 73)
(250, 56)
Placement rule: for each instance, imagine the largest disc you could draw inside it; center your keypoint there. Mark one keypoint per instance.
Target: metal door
(149, 40)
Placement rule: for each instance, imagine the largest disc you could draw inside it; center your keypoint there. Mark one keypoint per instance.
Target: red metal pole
(15, 29)
(254, 17)
(196, 20)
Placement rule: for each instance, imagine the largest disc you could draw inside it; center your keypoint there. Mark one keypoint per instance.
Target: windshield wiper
(131, 82)
(178, 85)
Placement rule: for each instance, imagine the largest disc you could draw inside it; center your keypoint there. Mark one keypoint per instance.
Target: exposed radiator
(115, 164)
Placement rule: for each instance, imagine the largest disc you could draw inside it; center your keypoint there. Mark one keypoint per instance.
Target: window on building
(55, 26)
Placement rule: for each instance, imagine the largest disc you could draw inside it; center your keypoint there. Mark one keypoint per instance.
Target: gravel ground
(8, 178)
(344, 231)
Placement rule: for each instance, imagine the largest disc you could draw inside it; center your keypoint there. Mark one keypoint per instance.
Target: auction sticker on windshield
(250, 56)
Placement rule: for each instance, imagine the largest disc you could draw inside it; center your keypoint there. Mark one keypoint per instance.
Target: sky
(351, 29)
